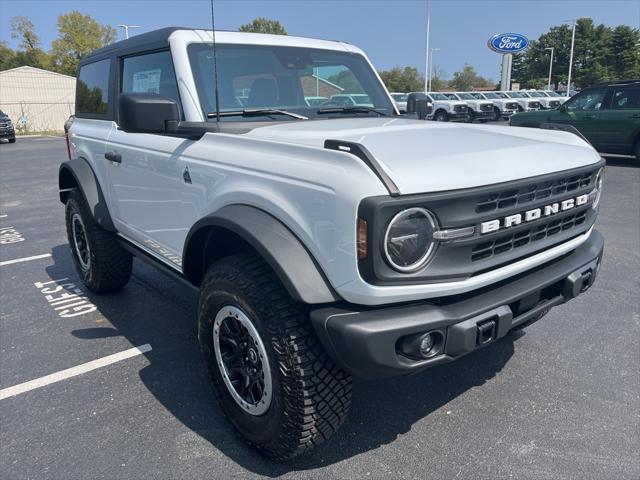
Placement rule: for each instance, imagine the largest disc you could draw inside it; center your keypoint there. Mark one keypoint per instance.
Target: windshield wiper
(257, 112)
(355, 109)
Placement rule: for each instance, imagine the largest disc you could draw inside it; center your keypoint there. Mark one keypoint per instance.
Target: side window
(626, 99)
(150, 73)
(588, 100)
(92, 89)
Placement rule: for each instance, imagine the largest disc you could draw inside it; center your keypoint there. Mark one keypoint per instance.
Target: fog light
(421, 346)
(426, 344)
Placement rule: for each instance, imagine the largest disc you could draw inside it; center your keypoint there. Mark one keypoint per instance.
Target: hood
(423, 156)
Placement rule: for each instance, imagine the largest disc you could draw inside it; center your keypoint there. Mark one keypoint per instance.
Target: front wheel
(441, 116)
(471, 116)
(273, 379)
(496, 114)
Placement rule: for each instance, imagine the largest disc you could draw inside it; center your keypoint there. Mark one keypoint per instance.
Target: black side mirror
(147, 113)
(419, 104)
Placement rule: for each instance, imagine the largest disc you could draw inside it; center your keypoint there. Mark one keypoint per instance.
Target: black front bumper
(364, 341)
(10, 134)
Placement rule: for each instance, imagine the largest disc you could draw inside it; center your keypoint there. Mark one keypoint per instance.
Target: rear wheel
(273, 378)
(12, 140)
(101, 262)
(441, 116)
(471, 116)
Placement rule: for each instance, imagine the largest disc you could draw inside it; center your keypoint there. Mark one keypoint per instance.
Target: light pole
(431, 66)
(550, 67)
(126, 29)
(573, 40)
(426, 70)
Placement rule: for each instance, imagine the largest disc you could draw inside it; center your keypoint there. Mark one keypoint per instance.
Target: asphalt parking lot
(561, 400)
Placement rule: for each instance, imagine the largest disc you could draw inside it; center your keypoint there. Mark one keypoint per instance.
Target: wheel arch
(78, 174)
(237, 228)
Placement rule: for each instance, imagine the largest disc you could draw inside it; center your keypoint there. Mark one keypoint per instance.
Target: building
(37, 100)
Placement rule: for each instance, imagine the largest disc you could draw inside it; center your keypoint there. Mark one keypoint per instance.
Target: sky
(392, 32)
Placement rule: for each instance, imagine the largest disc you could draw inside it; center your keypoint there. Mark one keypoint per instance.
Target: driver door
(585, 112)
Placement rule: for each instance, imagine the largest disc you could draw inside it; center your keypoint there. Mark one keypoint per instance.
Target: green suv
(608, 115)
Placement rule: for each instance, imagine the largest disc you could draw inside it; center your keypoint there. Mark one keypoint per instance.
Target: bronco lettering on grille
(533, 214)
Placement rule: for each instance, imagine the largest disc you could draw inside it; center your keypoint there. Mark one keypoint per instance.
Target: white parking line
(73, 371)
(24, 259)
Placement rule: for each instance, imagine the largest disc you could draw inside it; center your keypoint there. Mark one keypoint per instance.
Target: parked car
(546, 102)
(525, 102)
(608, 116)
(7, 130)
(352, 99)
(552, 94)
(401, 100)
(502, 107)
(478, 109)
(446, 109)
(325, 242)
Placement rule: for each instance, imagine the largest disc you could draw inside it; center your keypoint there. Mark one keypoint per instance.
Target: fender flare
(282, 250)
(78, 173)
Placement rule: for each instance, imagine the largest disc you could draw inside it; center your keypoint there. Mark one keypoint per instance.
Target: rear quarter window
(92, 89)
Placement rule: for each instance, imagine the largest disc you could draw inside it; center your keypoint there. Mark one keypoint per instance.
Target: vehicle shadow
(155, 309)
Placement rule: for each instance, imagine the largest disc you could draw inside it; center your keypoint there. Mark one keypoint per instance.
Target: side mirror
(147, 113)
(419, 104)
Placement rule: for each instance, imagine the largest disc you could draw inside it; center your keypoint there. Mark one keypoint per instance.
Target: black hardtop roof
(618, 83)
(144, 41)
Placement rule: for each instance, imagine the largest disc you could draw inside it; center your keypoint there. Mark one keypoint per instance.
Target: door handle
(113, 157)
(590, 117)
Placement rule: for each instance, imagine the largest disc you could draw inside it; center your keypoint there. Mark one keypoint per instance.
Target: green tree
(467, 78)
(346, 80)
(399, 79)
(78, 35)
(7, 57)
(263, 25)
(600, 54)
(29, 51)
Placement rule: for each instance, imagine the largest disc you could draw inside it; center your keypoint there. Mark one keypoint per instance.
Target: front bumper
(364, 341)
(458, 116)
(508, 113)
(10, 134)
(482, 115)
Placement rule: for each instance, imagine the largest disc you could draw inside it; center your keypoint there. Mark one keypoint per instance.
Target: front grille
(486, 107)
(511, 106)
(534, 104)
(460, 108)
(554, 103)
(514, 241)
(530, 193)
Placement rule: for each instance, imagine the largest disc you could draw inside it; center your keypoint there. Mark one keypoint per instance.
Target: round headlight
(408, 241)
(597, 191)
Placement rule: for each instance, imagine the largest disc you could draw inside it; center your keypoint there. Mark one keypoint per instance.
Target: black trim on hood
(360, 151)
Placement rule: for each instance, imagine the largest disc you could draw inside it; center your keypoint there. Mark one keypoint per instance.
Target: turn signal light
(362, 239)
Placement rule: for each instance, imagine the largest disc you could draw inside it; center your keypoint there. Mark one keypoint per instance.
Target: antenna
(215, 63)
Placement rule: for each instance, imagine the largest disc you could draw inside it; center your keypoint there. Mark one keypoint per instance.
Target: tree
(467, 79)
(7, 57)
(437, 78)
(29, 51)
(78, 35)
(347, 81)
(263, 25)
(600, 54)
(400, 79)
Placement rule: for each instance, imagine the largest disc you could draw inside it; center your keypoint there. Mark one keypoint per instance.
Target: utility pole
(550, 67)
(426, 70)
(573, 40)
(126, 29)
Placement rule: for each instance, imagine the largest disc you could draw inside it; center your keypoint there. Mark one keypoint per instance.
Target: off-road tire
(12, 140)
(311, 395)
(441, 116)
(109, 267)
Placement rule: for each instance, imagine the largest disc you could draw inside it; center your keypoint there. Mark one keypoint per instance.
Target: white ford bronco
(325, 241)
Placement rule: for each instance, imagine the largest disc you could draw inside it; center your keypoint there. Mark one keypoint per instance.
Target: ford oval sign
(508, 43)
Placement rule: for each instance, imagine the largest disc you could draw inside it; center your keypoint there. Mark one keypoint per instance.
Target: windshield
(400, 97)
(515, 95)
(438, 96)
(294, 79)
(536, 94)
(491, 95)
(465, 96)
(451, 96)
(551, 94)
